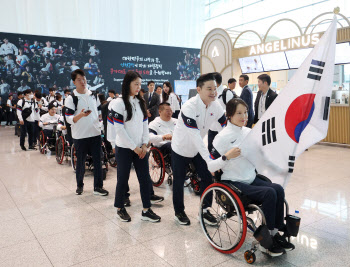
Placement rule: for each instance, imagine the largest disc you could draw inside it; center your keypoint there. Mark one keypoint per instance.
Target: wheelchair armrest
(262, 177)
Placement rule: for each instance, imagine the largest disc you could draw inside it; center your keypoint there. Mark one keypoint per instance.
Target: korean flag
(298, 118)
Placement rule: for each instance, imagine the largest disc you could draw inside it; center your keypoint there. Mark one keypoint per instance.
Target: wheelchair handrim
(154, 166)
(60, 156)
(242, 217)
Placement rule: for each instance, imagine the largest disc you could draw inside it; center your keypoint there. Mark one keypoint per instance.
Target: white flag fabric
(298, 117)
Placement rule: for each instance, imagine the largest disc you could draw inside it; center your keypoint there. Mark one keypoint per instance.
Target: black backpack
(27, 111)
(223, 95)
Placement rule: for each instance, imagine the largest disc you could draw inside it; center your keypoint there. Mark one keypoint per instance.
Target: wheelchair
(62, 148)
(159, 164)
(89, 162)
(236, 214)
(47, 143)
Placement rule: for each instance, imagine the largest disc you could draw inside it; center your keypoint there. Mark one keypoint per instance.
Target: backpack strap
(76, 99)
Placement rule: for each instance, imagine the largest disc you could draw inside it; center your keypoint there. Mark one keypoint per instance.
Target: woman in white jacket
(241, 173)
(170, 97)
(127, 131)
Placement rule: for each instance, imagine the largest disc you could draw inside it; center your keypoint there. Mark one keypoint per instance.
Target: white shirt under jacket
(238, 169)
(127, 134)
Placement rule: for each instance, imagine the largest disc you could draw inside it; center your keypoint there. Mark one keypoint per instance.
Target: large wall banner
(42, 62)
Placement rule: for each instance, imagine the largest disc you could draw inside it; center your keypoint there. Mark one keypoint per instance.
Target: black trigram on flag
(316, 67)
(291, 164)
(268, 131)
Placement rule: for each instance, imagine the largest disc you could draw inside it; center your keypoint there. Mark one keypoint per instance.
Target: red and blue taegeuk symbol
(299, 115)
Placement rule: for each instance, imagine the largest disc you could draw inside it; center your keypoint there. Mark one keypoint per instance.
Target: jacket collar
(201, 103)
(233, 127)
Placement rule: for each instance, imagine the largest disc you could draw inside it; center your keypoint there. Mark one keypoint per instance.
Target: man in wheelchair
(239, 172)
(48, 122)
(161, 130)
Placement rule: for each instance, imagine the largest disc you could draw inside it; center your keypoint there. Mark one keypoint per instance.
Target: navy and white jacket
(193, 124)
(88, 126)
(158, 128)
(238, 169)
(127, 134)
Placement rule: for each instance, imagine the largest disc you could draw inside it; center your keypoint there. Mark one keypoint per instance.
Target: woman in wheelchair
(238, 171)
(48, 122)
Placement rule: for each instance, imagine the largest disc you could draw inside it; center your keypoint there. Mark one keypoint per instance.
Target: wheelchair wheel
(112, 160)
(249, 257)
(60, 149)
(195, 182)
(73, 157)
(156, 166)
(42, 142)
(228, 235)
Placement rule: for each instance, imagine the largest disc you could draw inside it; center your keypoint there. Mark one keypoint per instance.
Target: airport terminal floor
(44, 223)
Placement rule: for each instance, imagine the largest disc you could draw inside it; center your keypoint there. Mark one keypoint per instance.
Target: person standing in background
(265, 96)
(169, 96)
(152, 102)
(247, 96)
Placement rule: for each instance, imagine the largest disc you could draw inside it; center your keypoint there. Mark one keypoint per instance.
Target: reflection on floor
(43, 223)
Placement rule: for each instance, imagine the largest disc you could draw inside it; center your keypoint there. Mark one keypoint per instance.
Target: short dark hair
(143, 90)
(66, 91)
(58, 96)
(28, 91)
(38, 95)
(245, 77)
(52, 104)
(159, 86)
(111, 91)
(77, 72)
(231, 80)
(265, 78)
(204, 78)
(51, 89)
(161, 105)
(149, 82)
(232, 105)
(218, 77)
(19, 93)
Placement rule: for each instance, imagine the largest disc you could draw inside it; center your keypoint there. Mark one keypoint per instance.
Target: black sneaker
(274, 251)
(182, 218)
(282, 241)
(209, 218)
(156, 199)
(123, 215)
(127, 202)
(23, 148)
(31, 148)
(100, 191)
(149, 215)
(79, 190)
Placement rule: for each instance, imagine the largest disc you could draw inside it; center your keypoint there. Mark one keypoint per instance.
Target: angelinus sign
(285, 44)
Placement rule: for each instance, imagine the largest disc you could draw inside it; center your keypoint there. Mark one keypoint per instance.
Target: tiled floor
(43, 223)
